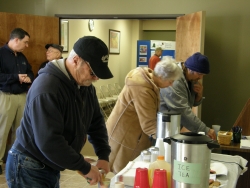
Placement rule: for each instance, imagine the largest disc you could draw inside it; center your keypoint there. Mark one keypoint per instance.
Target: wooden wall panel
(243, 119)
(190, 30)
(42, 30)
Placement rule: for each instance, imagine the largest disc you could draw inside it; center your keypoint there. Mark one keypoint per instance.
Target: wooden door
(190, 31)
(42, 30)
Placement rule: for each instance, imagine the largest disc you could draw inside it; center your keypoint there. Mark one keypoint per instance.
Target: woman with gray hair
(134, 118)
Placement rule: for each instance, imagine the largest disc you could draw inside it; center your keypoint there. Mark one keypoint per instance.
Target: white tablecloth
(236, 166)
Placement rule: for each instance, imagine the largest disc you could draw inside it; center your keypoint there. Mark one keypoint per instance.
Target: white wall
(120, 64)
(131, 31)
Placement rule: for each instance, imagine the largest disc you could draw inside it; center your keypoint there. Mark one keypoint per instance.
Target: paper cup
(160, 179)
(141, 178)
(216, 128)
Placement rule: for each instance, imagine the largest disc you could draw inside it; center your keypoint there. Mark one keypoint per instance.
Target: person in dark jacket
(54, 51)
(16, 77)
(61, 112)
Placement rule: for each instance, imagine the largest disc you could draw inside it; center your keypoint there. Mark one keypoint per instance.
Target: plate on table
(219, 168)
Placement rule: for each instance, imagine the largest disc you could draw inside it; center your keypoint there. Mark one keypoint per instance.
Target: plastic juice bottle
(160, 163)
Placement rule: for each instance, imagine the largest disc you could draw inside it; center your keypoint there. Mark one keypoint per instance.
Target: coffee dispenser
(168, 124)
(191, 155)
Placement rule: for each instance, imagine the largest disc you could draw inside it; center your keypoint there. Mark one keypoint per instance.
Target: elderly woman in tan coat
(134, 118)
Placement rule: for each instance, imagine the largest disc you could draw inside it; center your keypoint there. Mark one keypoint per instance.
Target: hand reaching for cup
(211, 134)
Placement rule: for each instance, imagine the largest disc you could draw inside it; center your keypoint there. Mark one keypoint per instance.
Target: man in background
(187, 92)
(61, 113)
(15, 78)
(54, 51)
(155, 58)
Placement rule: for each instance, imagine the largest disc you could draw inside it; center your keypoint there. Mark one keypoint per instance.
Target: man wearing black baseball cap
(61, 112)
(55, 46)
(187, 93)
(54, 51)
(95, 52)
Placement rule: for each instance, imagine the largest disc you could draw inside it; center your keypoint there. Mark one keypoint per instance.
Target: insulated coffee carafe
(191, 154)
(168, 124)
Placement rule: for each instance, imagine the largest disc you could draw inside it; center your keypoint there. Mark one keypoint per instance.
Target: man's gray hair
(168, 69)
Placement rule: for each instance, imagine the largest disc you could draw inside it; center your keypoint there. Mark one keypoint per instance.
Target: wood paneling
(244, 119)
(42, 30)
(190, 30)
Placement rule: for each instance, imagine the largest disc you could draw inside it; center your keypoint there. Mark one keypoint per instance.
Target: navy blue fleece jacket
(57, 119)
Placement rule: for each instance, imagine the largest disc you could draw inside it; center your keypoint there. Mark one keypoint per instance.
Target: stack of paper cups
(160, 144)
(167, 154)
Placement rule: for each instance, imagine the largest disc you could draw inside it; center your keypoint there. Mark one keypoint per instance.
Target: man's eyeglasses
(91, 71)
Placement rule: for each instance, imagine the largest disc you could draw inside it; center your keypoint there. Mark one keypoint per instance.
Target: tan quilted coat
(133, 118)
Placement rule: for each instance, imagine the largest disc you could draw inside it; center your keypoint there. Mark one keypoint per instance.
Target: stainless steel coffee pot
(168, 124)
(190, 160)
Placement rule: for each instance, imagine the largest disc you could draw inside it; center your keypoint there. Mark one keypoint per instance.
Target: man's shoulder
(2, 48)
(21, 54)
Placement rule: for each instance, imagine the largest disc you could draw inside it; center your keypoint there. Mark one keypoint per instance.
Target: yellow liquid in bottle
(160, 163)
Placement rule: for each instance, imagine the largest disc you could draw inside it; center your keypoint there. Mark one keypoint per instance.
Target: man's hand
(102, 164)
(184, 129)
(211, 134)
(93, 177)
(198, 89)
(27, 80)
(23, 78)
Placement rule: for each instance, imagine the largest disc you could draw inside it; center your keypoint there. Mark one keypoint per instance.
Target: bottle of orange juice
(160, 163)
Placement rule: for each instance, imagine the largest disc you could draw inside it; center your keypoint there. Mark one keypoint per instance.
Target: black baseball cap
(94, 51)
(56, 46)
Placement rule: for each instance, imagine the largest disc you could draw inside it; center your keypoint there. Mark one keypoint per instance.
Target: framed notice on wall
(114, 41)
(64, 34)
